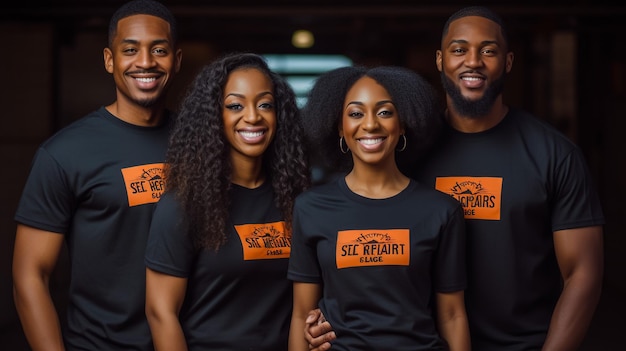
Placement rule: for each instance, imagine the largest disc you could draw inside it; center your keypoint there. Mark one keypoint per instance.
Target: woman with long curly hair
(383, 254)
(220, 240)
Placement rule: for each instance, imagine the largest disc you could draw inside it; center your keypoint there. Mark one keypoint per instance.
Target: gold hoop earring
(403, 145)
(341, 142)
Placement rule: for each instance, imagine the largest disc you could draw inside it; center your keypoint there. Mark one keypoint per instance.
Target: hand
(318, 331)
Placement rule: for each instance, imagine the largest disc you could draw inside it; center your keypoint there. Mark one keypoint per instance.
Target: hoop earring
(403, 145)
(341, 142)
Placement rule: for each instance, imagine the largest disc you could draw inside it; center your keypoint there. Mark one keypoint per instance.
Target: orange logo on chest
(144, 183)
(379, 247)
(264, 241)
(480, 196)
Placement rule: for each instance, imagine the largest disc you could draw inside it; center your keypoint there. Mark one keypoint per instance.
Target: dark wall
(570, 69)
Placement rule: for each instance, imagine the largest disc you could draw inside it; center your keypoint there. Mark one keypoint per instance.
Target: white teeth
(251, 134)
(470, 78)
(371, 141)
(146, 80)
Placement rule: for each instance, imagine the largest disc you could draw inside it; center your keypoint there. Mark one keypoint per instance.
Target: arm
(452, 320)
(318, 332)
(579, 253)
(34, 257)
(305, 298)
(164, 297)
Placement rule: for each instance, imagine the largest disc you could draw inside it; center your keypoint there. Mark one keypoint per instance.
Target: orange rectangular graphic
(144, 183)
(373, 247)
(264, 241)
(481, 197)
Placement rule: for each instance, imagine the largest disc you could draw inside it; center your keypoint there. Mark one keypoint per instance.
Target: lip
(472, 79)
(252, 136)
(371, 143)
(145, 81)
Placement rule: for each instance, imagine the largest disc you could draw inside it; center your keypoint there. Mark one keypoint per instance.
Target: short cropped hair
(480, 11)
(143, 7)
(414, 98)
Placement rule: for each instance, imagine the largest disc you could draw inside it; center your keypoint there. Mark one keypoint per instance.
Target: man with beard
(534, 220)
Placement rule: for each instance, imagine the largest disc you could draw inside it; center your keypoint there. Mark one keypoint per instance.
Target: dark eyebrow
(483, 43)
(379, 103)
(136, 42)
(243, 97)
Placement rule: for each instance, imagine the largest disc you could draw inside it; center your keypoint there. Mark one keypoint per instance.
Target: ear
(108, 60)
(439, 60)
(509, 61)
(179, 59)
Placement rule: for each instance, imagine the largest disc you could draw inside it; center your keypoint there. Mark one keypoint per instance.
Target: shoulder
(321, 192)
(530, 123)
(78, 131)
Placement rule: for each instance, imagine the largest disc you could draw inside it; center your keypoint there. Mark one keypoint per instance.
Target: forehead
(137, 27)
(472, 29)
(246, 79)
(364, 88)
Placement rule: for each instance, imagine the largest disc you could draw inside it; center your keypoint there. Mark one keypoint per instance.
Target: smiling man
(93, 186)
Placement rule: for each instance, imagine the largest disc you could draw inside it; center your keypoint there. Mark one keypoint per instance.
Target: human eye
(129, 50)
(457, 50)
(234, 107)
(354, 114)
(266, 105)
(160, 51)
(385, 113)
(489, 51)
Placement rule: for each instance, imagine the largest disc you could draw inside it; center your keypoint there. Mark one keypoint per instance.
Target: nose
(145, 59)
(370, 121)
(473, 58)
(251, 114)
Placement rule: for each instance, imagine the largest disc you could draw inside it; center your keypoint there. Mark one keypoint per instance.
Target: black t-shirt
(239, 297)
(380, 261)
(96, 182)
(518, 183)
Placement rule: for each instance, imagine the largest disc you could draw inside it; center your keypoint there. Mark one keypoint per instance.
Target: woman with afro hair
(383, 255)
(220, 239)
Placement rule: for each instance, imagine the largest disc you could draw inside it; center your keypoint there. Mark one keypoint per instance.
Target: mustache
(145, 71)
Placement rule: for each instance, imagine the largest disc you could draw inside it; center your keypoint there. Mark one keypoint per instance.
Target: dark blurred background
(569, 69)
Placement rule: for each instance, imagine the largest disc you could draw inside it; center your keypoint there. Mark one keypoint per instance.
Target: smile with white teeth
(471, 78)
(371, 141)
(146, 80)
(249, 135)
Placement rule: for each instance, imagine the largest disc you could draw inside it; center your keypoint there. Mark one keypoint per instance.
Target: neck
(137, 115)
(376, 182)
(247, 172)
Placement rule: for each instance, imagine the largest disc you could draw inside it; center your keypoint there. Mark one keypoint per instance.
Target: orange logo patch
(264, 241)
(144, 183)
(480, 196)
(356, 248)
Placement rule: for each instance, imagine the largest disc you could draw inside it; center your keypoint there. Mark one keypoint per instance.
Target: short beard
(472, 108)
(147, 103)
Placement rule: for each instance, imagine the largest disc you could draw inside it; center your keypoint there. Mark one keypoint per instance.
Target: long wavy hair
(415, 99)
(199, 169)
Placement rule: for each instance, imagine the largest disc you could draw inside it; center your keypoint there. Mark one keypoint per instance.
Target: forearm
(455, 332)
(38, 315)
(297, 341)
(572, 316)
(167, 333)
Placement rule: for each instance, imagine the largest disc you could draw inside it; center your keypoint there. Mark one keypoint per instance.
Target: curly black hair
(415, 99)
(198, 165)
